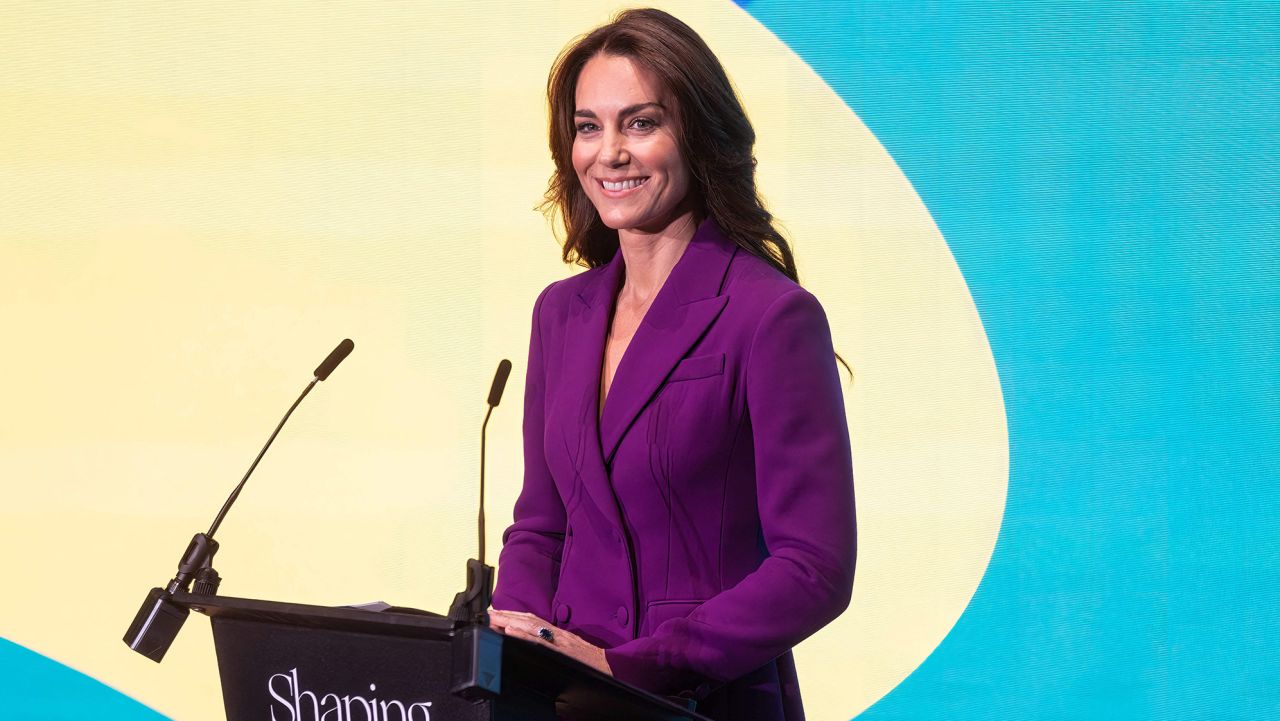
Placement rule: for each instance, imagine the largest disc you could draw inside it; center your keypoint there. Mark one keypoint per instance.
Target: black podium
(293, 662)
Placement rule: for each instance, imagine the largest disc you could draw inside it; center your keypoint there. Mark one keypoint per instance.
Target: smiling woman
(683, 527)
(669, 85)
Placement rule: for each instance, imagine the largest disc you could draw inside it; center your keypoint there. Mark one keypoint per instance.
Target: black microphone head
(156, 625)
(338, 355)
(499, 382)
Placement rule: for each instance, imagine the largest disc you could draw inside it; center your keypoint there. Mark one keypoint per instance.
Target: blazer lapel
(587, 329)
(686, 305)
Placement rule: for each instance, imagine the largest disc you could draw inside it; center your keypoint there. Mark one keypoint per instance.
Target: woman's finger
(508, 618)
(516, 625)
(526, 621)
(513, 614)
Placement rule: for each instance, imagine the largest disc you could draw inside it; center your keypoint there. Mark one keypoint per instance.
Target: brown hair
(716, 138)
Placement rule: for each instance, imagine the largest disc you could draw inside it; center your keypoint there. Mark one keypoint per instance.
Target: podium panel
(275, 672)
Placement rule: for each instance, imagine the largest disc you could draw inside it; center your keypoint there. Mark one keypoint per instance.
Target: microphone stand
(472, 605)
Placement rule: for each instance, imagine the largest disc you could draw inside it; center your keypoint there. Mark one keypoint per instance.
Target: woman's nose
(613, 149)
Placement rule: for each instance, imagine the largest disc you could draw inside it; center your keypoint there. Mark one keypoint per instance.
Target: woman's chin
(644, 225)
(620, 221)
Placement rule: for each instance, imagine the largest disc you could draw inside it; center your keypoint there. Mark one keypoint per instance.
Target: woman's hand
(529, 627)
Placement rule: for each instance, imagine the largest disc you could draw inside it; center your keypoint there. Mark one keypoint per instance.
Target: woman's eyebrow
(585, 113)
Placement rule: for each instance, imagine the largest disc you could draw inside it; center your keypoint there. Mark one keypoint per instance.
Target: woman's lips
(621, 188)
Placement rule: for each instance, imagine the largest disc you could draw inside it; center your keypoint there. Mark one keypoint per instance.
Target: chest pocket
(690, 418)
(701, 366)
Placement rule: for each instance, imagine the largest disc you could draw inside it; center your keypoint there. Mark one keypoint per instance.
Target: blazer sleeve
(804, 487)
(529, 565)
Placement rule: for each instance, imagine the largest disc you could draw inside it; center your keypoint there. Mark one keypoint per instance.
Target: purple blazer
(705, 524)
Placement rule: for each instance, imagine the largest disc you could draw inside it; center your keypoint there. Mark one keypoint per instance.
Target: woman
(687, 513)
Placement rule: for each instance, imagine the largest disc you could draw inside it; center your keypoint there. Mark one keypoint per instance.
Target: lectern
(294, 662)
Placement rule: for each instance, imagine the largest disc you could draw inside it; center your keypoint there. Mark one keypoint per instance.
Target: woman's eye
(586, 127)
(643, 124)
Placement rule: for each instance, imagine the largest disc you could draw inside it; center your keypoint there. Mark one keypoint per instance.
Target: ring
(546, 634)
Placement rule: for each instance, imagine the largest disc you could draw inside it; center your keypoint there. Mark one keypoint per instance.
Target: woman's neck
(649, 257)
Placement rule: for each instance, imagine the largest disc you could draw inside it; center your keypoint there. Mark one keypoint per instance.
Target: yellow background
(198, 202)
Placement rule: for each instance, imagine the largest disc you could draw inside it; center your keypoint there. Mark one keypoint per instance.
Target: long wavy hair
(716, 139)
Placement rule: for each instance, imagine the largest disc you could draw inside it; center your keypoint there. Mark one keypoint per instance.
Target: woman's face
(626, 150)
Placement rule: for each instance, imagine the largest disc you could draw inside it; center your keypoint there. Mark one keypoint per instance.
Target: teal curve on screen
(34, 687)
(1105, 176)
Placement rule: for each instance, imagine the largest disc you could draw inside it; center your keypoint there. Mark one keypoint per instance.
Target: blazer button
(622, 616)
(562, 614)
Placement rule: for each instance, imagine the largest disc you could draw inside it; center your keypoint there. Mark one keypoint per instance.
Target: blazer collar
(688, 302)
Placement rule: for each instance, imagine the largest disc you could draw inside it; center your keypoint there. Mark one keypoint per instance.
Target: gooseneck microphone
(472, 605)
(495, 396)
(159, 619)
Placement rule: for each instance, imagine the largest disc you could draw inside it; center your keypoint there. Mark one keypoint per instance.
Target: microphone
(338, 355)
(472, 605)
(499, 385)
(159, 619)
